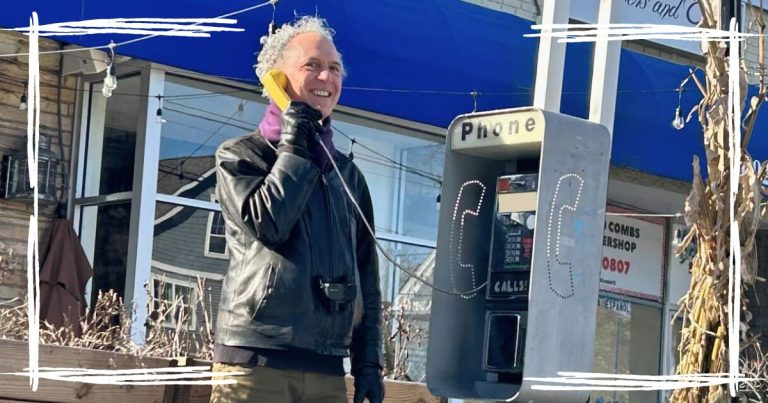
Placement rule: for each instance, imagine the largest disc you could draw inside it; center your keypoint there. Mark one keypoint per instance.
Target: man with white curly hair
(302, 288)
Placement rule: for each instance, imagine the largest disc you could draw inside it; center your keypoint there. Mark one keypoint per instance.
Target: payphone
(523, 204)
(509, 273)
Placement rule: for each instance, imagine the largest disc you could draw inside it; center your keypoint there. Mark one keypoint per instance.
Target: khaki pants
(269, 385)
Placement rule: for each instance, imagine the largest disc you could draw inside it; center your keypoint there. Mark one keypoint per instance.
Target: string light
(678, 122)
(110, 80)
(159, 114)
(23, 99)
(272, 25)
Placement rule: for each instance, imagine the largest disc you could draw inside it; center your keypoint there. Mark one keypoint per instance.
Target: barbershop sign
(668, 12)
(632, 262)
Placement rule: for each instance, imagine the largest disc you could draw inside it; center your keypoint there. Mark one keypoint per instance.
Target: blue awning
(419, 60)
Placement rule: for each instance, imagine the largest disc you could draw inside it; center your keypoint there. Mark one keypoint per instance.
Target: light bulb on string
(678, 122)
(159, 114)
(110, 80)
(272, 26)
(23, 99)
(678, 239)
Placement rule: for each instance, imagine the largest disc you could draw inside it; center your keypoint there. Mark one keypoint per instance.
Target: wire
(140, 64)
(251, 124)
(130, 41)
(415, 171)
(385, 164)
(474, 93)
(384, 160)
(223, 124)
(15, 81)
(645, 214)
(381, 249)
(241, 11)
(246, 129)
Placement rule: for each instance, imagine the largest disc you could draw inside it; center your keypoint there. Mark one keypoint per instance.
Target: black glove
(369, 383)
(299, 126)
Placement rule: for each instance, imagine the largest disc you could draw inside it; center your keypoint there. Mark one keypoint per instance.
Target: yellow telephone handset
(275, 82)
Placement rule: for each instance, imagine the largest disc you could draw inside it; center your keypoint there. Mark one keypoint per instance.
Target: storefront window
(180, 251)
(216, 244)
(104, 236)
(627, 341)
(199, 116)
(180, 240)
(672, 352)
(403, 175)
(110, 138)
(175, 300)
(107, 155)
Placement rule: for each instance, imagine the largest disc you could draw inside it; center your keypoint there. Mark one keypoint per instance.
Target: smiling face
(313, 67)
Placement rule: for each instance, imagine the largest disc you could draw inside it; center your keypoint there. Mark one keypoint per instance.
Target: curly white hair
(274, 44)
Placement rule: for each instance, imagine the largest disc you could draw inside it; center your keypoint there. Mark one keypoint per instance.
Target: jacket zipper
(329, 212)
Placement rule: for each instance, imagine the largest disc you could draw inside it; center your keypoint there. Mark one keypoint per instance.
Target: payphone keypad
(509, 273)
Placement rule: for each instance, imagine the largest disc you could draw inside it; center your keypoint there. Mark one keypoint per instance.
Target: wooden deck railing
(16, 389)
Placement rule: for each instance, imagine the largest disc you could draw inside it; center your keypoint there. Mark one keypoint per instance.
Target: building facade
(140, 182)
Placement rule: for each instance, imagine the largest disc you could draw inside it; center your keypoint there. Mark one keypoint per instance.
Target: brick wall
(750, 53)
(14, 216)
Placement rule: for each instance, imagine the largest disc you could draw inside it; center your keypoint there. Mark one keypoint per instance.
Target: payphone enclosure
(522, 208)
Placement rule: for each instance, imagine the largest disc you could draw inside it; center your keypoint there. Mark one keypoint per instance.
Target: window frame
(174, 283)
(208, 234)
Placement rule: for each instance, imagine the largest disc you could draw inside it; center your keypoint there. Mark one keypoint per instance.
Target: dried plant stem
(107, 326)
(704, 341)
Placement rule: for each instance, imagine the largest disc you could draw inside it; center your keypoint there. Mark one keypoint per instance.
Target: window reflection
(111, 138)
(411, 300)
(217, 243)
(199, 117)
(180, 249)
(104, 232)
(626, 342)
(403, 175)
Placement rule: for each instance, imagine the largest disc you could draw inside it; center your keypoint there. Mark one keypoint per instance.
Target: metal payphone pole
(605, 71)
(551, 61)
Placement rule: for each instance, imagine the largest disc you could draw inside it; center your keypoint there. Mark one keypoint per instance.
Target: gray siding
(184, 244)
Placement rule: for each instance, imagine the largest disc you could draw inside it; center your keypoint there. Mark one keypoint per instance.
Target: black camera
(338, 293)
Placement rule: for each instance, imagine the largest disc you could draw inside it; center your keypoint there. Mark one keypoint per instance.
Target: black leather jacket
(287, 225)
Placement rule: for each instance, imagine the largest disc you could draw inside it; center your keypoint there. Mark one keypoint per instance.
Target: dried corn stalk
(704, 345)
